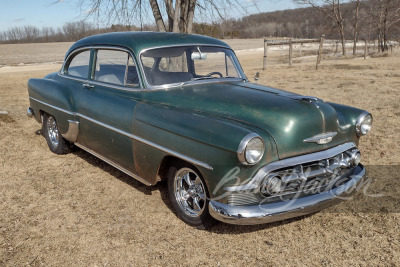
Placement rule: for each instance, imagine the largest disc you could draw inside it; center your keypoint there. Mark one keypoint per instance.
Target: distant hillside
(305, 22)
(298, 23)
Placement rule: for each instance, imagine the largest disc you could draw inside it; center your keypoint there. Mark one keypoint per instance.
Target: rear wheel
(55, 141)
(188, 195)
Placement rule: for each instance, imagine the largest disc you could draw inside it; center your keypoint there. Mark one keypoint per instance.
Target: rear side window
(115, 67)
(79, 65)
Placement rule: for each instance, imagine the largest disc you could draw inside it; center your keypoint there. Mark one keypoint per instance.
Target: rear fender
(52, 97)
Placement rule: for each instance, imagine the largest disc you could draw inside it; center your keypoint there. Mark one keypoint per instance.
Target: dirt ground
(76, 210)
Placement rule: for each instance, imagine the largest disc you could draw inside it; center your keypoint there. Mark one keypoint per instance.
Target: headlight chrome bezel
(242, 149)
(359, 123)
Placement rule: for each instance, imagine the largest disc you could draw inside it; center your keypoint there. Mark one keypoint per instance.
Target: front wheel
(188, 195)
(55, 141)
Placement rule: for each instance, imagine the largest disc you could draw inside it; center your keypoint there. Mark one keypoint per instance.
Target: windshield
(189, 63)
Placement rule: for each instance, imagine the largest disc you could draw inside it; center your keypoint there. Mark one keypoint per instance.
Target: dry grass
(76, 210)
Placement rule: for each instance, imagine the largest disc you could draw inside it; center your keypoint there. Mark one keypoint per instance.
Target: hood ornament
(321, 139)
(311, 99)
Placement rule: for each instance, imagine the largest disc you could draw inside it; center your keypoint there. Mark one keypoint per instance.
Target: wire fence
(291, 49)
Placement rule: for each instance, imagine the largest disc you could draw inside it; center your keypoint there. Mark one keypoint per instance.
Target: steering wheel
(215, 73)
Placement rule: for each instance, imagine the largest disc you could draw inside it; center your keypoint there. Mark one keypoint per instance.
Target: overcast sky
(43, 13)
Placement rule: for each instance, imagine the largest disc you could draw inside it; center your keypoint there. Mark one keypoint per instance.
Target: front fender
(347, 117)
(209, 139)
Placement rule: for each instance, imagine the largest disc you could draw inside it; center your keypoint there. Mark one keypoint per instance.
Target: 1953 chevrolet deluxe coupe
(178, 107)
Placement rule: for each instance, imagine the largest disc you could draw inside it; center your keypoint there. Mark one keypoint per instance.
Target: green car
(178, 107)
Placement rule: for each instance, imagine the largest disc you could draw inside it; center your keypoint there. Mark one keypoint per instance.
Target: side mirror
(257, 76)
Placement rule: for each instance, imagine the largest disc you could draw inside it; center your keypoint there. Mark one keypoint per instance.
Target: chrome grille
(302, 179)
(243, 199)
(318, 174)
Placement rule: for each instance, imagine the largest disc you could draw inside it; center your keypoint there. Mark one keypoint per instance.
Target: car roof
(138, 41)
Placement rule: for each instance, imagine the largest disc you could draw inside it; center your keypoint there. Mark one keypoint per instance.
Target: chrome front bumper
(267, 213)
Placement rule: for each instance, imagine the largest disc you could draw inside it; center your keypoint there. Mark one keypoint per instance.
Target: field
(75, 210)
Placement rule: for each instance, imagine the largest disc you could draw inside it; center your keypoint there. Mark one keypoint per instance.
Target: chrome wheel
(55, 141)
(189, 192)
(53, 131)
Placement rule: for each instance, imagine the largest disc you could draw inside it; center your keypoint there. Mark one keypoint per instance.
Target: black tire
(189, 199)
(55, 141)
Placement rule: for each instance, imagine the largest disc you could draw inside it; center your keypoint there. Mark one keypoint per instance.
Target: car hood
(289, 118)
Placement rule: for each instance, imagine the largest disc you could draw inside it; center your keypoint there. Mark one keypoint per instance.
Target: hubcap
(53, 131)
(190, 192)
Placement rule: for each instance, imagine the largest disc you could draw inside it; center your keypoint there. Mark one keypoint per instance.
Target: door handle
(88, 86)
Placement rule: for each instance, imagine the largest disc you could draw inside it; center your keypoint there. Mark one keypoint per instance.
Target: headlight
(251, 149)
(364, 123)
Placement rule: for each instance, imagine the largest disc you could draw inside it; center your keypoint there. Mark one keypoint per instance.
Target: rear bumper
(266, 213)
(29, 112)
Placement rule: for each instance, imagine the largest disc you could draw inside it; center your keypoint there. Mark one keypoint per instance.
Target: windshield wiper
(198, 79)
(204, 78)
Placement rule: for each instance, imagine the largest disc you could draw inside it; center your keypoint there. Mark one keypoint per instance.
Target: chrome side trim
(254, 182)
(112, 163)
(73, 131)
(144, 141)
(92, 82)
(278, 211)
(56, 108)
(135, 137)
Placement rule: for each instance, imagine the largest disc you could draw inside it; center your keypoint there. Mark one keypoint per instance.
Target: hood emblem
(321, 139)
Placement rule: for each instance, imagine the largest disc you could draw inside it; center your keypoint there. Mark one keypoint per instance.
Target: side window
(79, 65)
(115, 67)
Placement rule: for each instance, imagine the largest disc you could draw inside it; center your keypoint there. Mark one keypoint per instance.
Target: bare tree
(386, 14)
(333, 10)
(15, 34)
(356, 25)
(2, 37)
(74, 31)
(30, 34)
(178, 14)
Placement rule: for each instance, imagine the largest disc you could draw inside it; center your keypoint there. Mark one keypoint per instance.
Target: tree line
(353, 20)
(69, 32)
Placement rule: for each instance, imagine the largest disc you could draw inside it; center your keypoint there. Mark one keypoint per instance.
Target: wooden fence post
(321, 45)
(365, 49)
(290, 52)
(336, 47)
(301, 46)
(265, 54)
